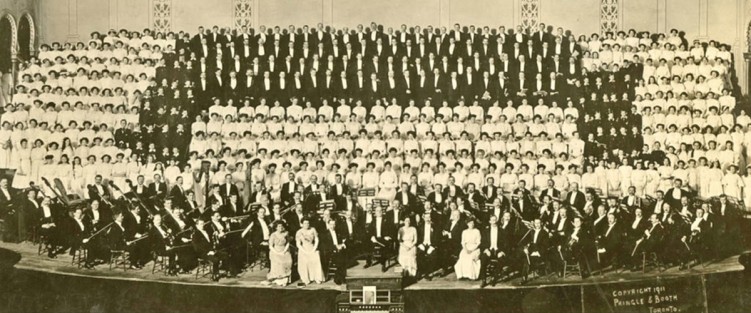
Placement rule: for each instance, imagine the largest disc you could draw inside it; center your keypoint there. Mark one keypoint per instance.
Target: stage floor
(252, 278)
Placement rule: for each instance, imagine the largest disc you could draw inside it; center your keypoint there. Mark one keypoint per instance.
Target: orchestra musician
(522, 202)
(77, 233)
(334, 249)
(451, 232)
(224, 238)
(496, 244)
(205, 246)
(47, 220)
(651, 241)
(118, 239)
(258, 232)
(609, 243)
(576, 244)
(382, 233)
(136, 225)
(535, 247)
(428, 241)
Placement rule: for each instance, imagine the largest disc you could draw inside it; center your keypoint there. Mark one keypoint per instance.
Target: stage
(36, 283)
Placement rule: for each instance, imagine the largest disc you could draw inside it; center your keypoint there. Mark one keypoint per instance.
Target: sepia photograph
(375, 156)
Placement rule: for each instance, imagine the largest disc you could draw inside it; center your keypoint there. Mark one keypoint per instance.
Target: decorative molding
(243, 12)
(32, 31)
(161, 15)
(13, 31)
(609, 16)
(530, 13)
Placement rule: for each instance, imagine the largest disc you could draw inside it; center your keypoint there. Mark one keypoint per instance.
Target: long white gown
(308, 259)
(468, 265)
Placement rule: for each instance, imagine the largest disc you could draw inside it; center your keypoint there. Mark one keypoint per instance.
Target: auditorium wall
(724, 20)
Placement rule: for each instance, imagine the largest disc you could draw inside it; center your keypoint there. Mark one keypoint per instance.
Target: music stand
(487, 207)
(364, 195)
(328, 204)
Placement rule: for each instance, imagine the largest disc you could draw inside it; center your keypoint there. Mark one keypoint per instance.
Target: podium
(370, 290)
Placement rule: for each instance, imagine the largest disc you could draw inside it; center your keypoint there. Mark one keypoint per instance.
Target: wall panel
(132, 14)
(582, 18)
(480, 13)
(639, 14)
(683, 15)
(390, 13)
(285, 12)
(188, 15)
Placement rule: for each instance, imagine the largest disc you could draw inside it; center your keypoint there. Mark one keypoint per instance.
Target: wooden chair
(651, 259)
(79, 257)
(119, 258)
(162, 261)
(492, 272)
(206, 267)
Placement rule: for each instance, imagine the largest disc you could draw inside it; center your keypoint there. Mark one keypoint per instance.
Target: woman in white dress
(468, 265)
(407, 252)
(78, 180)
(22, 157)
(308, 259)
(713, 179)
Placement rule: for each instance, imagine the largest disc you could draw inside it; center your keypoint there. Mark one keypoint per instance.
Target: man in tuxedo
(428, 241)
(178, 192)
(535, 247)
(574, 246)
(382, 234)
(725, 228)
(495, 244)
(452, 237)
(575, 198)
(609, 243)
(228, 188)
(407, 199)
(203, 244)
(158, 189)
(651, 241)
(98, 191)
(289, 188)
(674, 194)
(334, 250)
(550, 191)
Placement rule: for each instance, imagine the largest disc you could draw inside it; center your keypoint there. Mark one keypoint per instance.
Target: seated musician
(573, 248)
(258, 232)
(522, 202)
(136, 226)
(496, 243)
(677, 235)
(651, 241)
(161, 242)
(334, 249)
(451, 232)
(294, 218)
(276, 214)
(98, 218)
(631, 200)
(699, 236)
(635, 232)
(475, 199)
(609, 243)
(48, 219)
(204, 244)
(118, 239)
(535, 245)
(381, 232)
(98, 191)
(490, 191)
(428, 241)
(352, 229)
(219, 227)
(395, 214)
(78, 232)
(407, 200)
(561, 227)
(140, 189)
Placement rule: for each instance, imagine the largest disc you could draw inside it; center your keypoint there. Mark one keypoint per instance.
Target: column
(662, 16)
(703, 19)
(444, 13)
(112, 6)
(73, 21)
